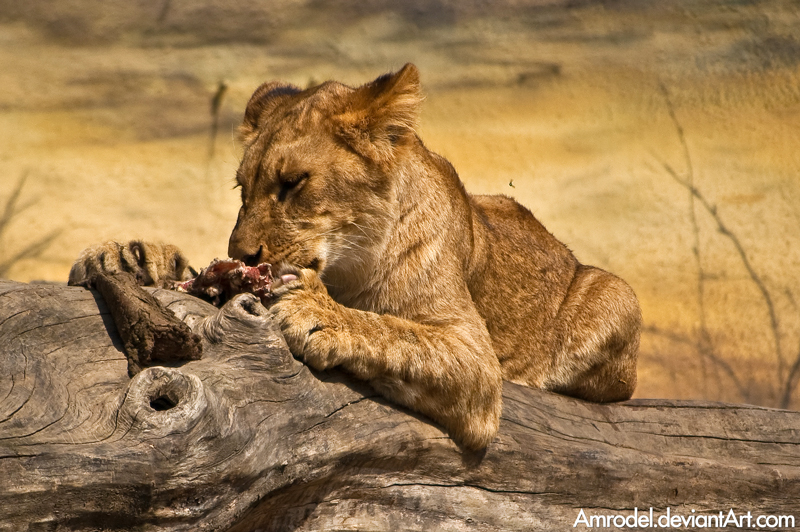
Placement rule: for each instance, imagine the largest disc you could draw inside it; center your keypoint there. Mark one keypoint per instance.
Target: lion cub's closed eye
(290, 183)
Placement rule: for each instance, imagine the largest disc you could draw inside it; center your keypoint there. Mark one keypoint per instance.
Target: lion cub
(394, 272)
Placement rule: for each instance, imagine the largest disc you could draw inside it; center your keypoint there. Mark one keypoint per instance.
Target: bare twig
(11, 210)
(165, 7)
(695, 195)
(791, 382)
(794, 371)
(216, 104)
(679, 130)
(737, 244)
(708, 354)
(705, 337)
(32, 251)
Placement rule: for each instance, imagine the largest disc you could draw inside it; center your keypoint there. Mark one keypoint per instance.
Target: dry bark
(249, 438)
(149, 332)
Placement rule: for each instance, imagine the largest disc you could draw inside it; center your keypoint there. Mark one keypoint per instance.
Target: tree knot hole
(165, 397)
(161, 403)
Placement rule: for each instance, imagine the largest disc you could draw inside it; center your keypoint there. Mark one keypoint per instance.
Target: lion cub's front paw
(308, 317)
(153, 264)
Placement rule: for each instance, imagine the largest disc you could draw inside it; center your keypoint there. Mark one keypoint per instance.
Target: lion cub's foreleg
(447, 372)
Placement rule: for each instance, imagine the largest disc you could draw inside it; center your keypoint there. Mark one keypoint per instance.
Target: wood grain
(249, 438)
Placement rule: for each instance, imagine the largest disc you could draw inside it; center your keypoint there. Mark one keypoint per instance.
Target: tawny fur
(154, 264)
(431, 294)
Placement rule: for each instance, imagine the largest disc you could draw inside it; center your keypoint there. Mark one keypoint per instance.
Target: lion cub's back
(522, 278)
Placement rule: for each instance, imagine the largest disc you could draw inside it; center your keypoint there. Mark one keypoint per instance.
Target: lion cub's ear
(377, 115)
(263, 101)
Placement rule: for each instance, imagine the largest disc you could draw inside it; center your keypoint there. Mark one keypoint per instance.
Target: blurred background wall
(660, 139)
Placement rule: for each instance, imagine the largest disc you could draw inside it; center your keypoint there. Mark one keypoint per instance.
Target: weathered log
(249, 438)
(149, 332)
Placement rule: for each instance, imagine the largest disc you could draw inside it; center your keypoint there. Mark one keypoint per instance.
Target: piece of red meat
(223, 279)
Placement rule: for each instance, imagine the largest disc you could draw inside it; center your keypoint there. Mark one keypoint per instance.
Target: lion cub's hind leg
(597, 338)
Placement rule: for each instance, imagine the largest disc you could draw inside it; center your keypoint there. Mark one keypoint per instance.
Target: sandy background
(599, 116)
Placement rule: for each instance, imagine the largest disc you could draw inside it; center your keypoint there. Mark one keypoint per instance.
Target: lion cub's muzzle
(248, 256)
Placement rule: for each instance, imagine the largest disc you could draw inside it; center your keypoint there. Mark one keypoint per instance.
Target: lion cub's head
(318, 175)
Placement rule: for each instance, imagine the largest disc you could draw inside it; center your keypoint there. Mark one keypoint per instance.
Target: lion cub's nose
(245, 247)
(250, 259)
